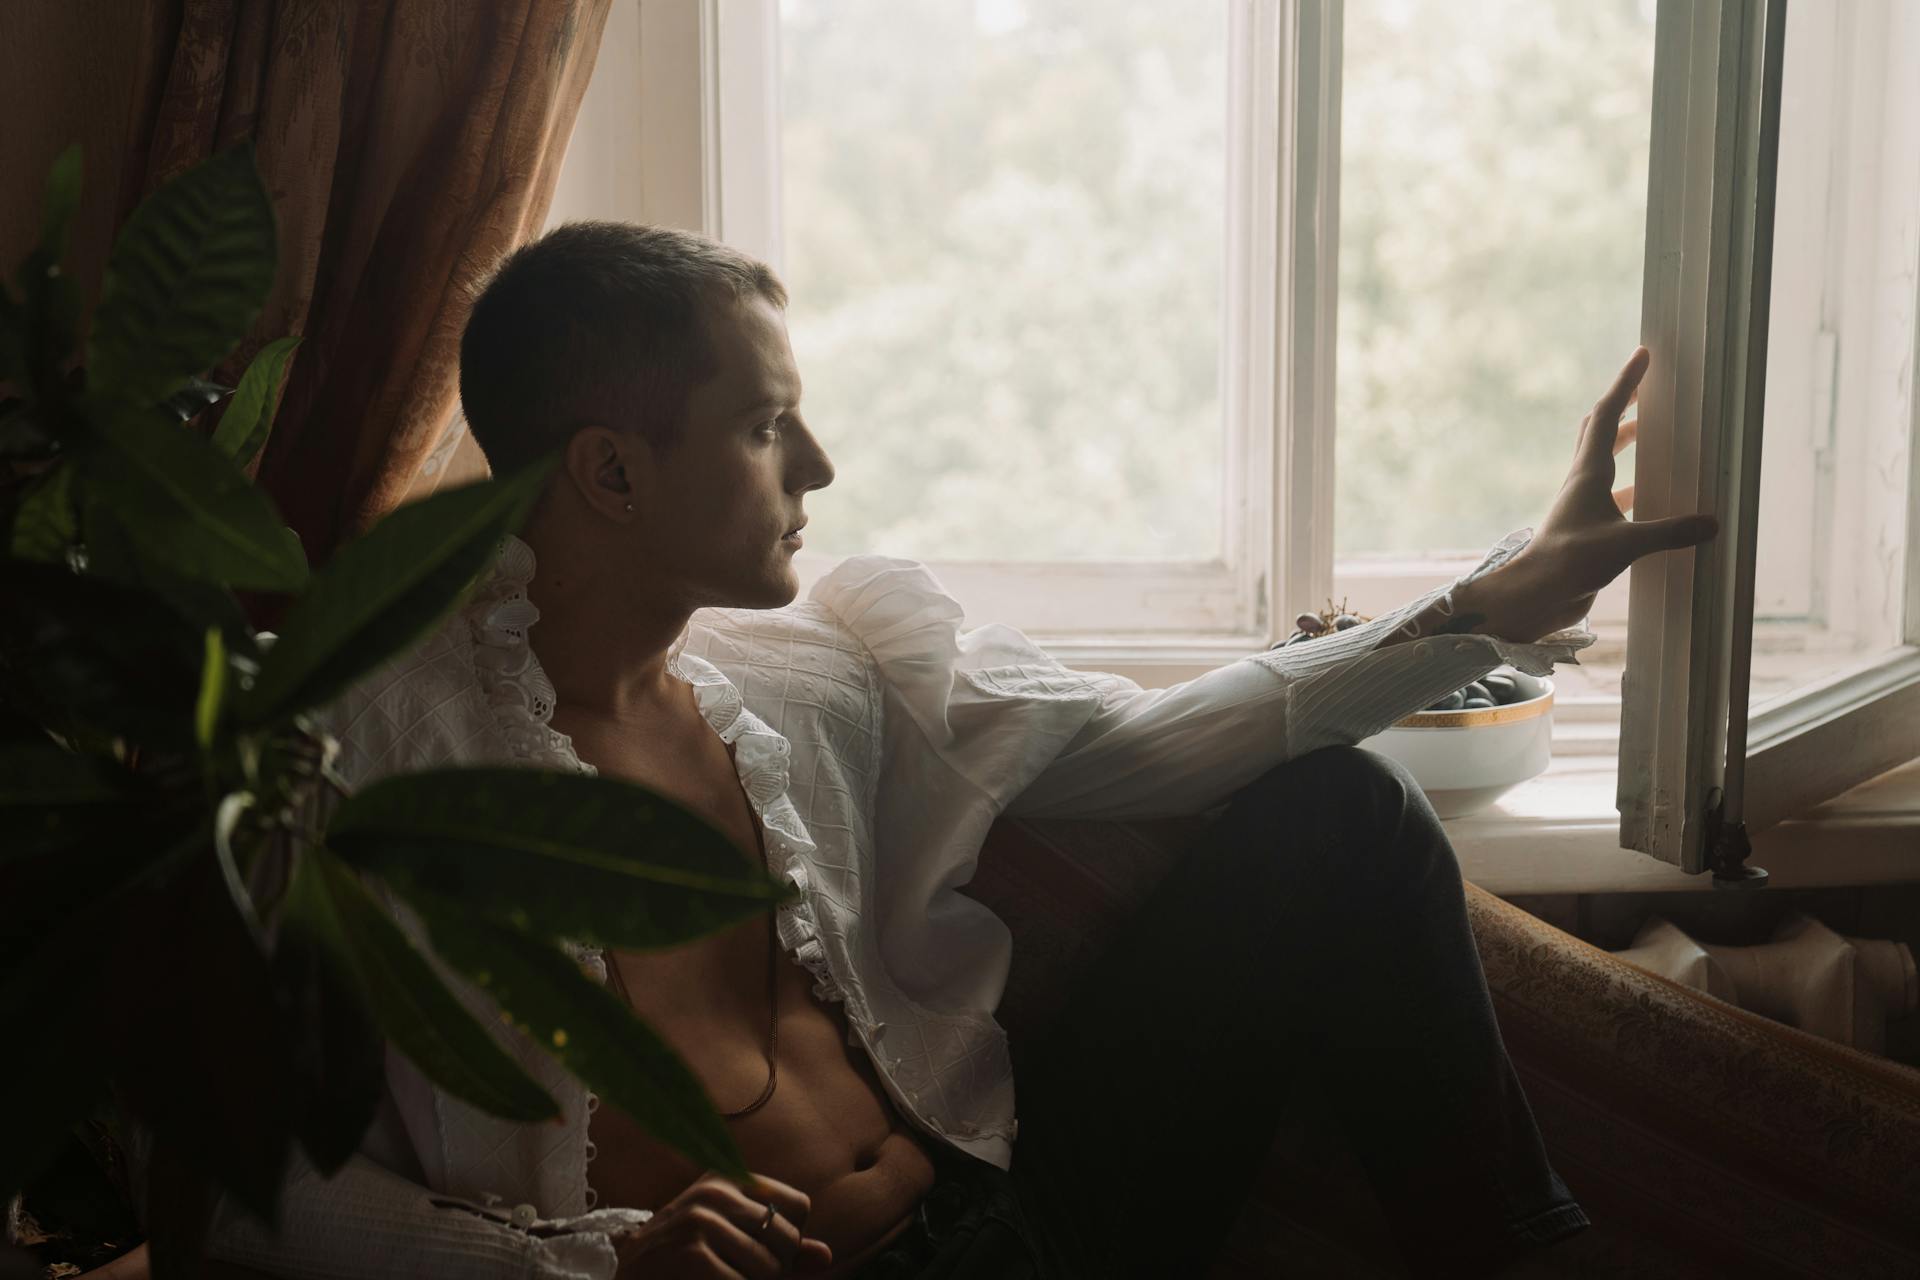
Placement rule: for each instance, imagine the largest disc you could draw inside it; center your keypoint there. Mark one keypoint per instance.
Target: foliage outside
(192, 936)
(1004, 230)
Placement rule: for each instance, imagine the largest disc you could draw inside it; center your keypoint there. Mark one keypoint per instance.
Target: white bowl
(1465, 760)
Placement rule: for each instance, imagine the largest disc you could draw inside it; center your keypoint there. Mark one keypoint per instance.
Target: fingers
(739, 1247)
(789, 1201)
(1626, 385)
(1623, 498)
(1669, 534)
(1628, 433)
(727, 1219)
(1603, 424)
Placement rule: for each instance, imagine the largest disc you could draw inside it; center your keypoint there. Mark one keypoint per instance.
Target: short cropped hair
(596, 323)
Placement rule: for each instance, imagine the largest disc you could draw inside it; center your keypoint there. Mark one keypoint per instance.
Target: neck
(604, 659)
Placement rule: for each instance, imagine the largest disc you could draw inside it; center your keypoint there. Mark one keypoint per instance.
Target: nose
(812, 468)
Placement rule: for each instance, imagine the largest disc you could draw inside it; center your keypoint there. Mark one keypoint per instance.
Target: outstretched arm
(1145, 753)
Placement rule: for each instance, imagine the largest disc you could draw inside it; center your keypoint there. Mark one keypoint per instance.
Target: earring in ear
(629, 508)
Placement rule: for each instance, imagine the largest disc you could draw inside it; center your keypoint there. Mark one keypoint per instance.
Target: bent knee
(1349, 770)
(1345, 784)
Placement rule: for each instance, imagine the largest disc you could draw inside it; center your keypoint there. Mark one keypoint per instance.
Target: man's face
(721, 503)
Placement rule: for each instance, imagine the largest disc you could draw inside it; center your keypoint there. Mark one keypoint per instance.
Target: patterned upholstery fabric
(1705, 1141)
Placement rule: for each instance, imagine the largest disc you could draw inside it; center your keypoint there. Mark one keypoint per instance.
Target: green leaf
(188, 274)
(189, 507)
(213, 691)
(328, 907)
(339, 1056)
(45, 525)
(114, 553)
(560, 855)
(243, 430)
(79, 651)
(195, 398)
(63, 200)
(384, 590)
(589, 1030)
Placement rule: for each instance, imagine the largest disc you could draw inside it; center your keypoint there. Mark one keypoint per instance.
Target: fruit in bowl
(1470, 747)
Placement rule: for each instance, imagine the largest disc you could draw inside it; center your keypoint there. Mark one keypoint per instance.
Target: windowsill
(1560, 833)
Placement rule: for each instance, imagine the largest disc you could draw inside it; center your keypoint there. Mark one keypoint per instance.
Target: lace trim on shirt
(763, 758)
(522, 700)
(517, 690)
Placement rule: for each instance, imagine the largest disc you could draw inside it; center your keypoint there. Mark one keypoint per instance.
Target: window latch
(1728, 848)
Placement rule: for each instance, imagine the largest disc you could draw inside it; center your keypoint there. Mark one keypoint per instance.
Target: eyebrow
(765, 402)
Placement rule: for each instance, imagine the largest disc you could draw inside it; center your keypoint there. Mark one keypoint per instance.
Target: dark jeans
(1320, 928)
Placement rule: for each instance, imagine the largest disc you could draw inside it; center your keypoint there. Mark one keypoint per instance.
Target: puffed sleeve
(1045, 740)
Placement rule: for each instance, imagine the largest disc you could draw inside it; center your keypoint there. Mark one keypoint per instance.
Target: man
(860, 744)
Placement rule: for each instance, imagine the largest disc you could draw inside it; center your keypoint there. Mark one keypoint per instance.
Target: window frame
(1161, 611)
(635, 155)
(712, 63)
(1693, 766)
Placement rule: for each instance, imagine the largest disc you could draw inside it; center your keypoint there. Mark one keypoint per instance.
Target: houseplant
(181, 935)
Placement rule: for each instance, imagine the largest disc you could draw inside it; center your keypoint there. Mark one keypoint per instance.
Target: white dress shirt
(877, 738)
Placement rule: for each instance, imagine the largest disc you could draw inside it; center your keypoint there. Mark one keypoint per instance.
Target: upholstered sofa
(1703, 1140)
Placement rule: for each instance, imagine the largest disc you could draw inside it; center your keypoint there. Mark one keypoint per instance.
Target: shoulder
(440, 700)
(875, 595)
(802, 653)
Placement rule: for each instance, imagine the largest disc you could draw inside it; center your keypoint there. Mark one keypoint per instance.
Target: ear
(597, 463)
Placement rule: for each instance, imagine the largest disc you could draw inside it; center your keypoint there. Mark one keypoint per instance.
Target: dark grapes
(1488, 691)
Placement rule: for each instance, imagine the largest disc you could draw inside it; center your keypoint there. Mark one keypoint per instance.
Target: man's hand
(1585, 542)
(712, 1231)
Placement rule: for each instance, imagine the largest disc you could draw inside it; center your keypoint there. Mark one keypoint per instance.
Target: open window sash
(1695, 774)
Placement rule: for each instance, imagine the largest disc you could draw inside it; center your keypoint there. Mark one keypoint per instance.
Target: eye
(770, 429)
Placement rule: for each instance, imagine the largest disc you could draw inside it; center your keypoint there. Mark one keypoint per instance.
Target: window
(1227, 308)
(1783, 663)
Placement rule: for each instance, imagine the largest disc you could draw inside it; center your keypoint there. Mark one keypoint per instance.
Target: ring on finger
(765, 1222)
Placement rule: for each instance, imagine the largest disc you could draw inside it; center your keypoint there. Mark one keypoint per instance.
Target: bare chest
(828, 1127)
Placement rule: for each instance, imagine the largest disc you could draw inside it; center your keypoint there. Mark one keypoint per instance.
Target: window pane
(1829, 587)
(1003, 228)
(1492, 216)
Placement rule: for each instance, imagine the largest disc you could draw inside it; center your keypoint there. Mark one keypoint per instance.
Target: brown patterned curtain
(408, 144)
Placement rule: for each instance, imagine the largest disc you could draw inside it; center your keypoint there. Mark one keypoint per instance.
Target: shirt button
(525, 1215)
(1423, 650)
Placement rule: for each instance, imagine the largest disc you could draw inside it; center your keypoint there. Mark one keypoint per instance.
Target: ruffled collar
(521, 696)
